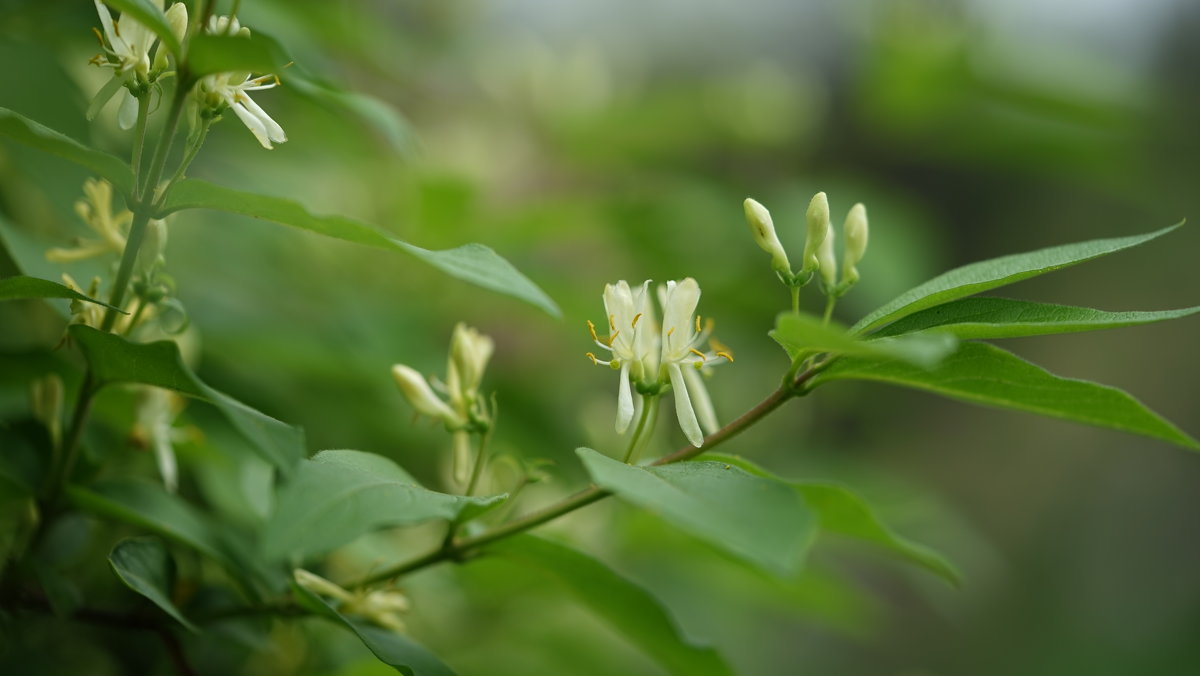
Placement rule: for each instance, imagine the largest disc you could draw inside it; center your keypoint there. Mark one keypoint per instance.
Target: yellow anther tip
(726, 355)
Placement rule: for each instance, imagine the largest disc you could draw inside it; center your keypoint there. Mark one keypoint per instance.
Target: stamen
(589, 355)
(96, 32)
(633, 324)
(613, 337)
(708, 325)
(592, 330)
(698, 353)
(669, 332)
(697, 323)
(723, 353)
(612, 325)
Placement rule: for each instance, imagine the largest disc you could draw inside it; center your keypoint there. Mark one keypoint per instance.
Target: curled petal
(252, 123)
(683, 407)
(700, 400)
(274, 131)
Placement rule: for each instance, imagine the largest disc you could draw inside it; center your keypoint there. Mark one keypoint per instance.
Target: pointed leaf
(146, 567)
(473, 263)
(802, 335)
(629, 608)
(255, 53)
(760, 520)
(840, 510)
(20, 128)
(978, 277)
(985, 374)
(339, 495)
(22, 287)
(977, 318)
(407, 656)
(116, 360)
(149, 16)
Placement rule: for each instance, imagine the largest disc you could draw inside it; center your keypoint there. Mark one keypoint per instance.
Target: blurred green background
(597, 140)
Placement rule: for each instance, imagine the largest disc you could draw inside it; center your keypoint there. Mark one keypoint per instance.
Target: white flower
(221, 90)
(381, 606)
(470, 351)
(650, 356)
(127, 44)
(155, 427)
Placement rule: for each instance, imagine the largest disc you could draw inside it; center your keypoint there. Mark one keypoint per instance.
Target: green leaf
(22, 129)
(473, 263)
(760, 520)
(840, 510)
(802, 335)
(385, 119)
(146, 567)
(407, 656)
(256, 53)
(629, 608)
(978, 318)
(116, 360)
(103, 96)
(149, 506)
(978, 277)
(149, 16)
(339, 495)
(21, 287)
(985, 374)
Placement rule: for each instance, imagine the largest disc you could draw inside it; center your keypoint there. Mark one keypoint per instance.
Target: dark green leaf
(977, 318)
(116, 360)
(985, 374)
(149, 16)
(840, 510)
(339, 495)
(407, 656)
(146, 567)
(629, 608)
(803, 335)
(474, 263)
(20, 287)
(758, 519)
(20, 128)
(256, 53)
(978, 277)
(148, 505)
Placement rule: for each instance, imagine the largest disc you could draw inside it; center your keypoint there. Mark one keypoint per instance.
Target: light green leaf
(385, 119)
(149, 16)
(407, 656)
(339, 495)
(22, 129)
(22, 287)
(842, 511)
(978, 318)
(802, 335)
(978, 277)
(256, 53)
(146, 567)
(103, 96)
(474, 263)
(116, 360)
(148, 505)
(985, 374)
(760, 520)
(630, 609)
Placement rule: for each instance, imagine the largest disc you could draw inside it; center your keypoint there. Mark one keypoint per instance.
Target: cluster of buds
(463, 410)
(819, 258)
(381, 607)
(650, 357)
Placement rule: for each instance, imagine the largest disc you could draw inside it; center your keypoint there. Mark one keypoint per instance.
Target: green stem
(830, 301)
(795, 299)
(61, 472)
(647, 408)
(137, 315)
(189, 155)
(459, 550)
(480, 461)
(139, 142)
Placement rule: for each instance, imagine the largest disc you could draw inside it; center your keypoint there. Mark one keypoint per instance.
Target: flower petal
(624, 401)
(252, 123)
(274, 131)
(679, 311)
(683, 407)
(127, 114)
(700, 400)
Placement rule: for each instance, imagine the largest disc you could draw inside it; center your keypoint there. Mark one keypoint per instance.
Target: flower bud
(856, 242)
(826, 261)
(320, 586)
(763, 230)
(422, 398)
(177, 18)
(470, 351)
(818, 225)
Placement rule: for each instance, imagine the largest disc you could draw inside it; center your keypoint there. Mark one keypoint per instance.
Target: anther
(633, 324)
(726, 355)
(698, 353)
(612, 325)
(697, 323)
(592, 330)
(591, 356)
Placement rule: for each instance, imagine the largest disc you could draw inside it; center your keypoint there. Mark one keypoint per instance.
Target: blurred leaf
(630, 609)
(255, 53)
(339, 495)
(474, 263)
(62, 592)
(148, 505)
(760, 520)
(977, 318)
(149, 16)
(378, 114)
(407, 656)
(840, 510)
(21, 287)
(145, 566)
(103, 96)
(985, 374)
(116, 360)
(20, 128)
(983, 275)
(802, 334)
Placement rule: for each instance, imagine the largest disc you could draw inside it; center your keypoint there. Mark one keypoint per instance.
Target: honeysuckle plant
(196, 574)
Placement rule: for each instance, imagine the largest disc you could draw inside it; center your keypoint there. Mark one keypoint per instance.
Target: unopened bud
(177, 21)
(470, 351)
(319, 585)
(856, 242)
(818, 226)
(763, 230)
(826, 261)
(421, 396)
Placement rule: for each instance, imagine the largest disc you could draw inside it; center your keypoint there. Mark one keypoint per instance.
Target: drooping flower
(220, 91)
